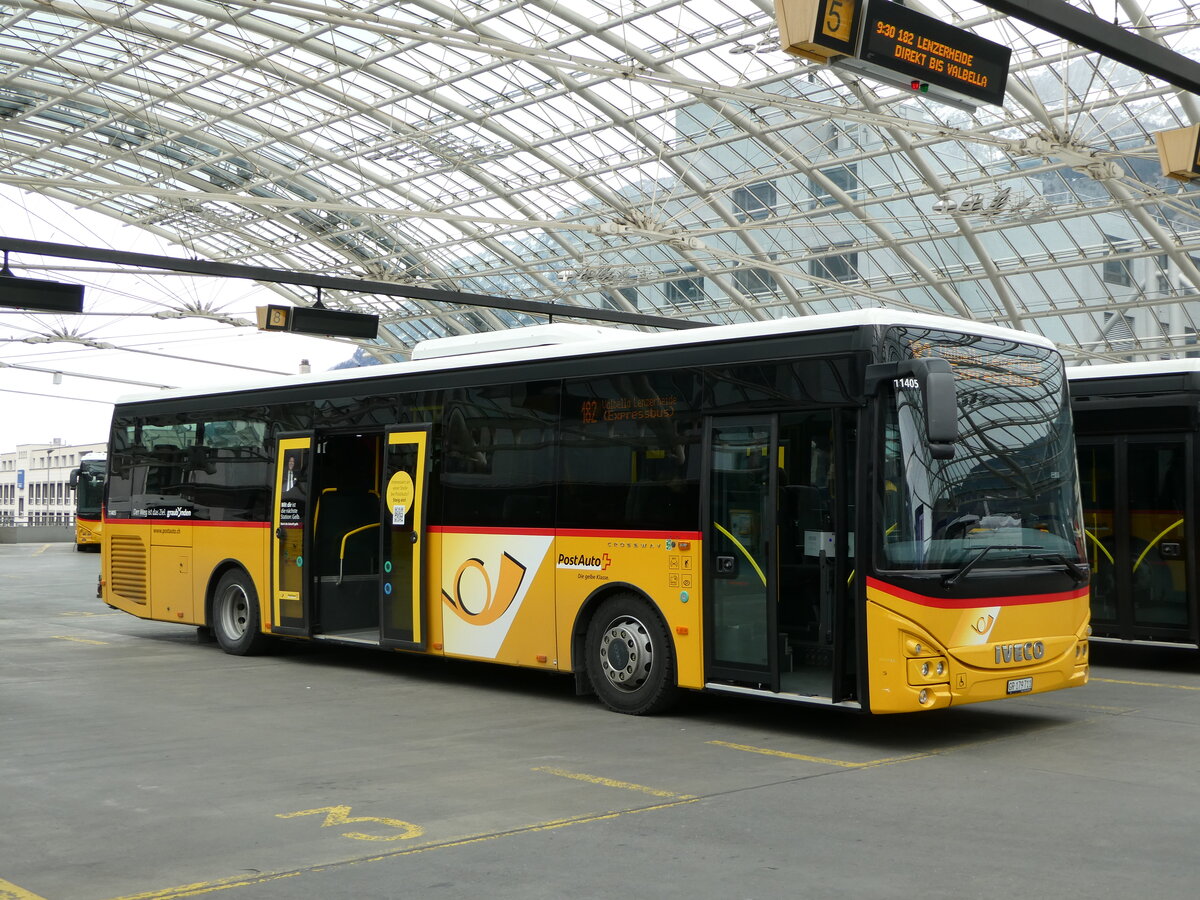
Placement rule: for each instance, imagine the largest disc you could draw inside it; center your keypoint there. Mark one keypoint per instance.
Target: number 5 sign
(819, 30)
(340, 815)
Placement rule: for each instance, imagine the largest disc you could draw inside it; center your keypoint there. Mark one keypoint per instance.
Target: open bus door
(402, 576)
(1137, 506)
(349, 537)
(779, 558)
(291, 522)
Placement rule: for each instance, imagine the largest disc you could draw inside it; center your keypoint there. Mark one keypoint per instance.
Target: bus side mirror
(74, 479)
(939, 397)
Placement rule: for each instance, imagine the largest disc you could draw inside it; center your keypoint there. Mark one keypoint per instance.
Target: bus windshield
(1009, 496)
(89, 490)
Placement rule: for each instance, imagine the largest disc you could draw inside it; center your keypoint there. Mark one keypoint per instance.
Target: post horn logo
(473, 600)
(984, 624)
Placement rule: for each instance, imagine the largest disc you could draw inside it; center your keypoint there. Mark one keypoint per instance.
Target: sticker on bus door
(402, 591)
(290, 523)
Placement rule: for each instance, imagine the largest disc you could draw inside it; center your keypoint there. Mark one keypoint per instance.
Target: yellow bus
(87, 481)
(875, 510)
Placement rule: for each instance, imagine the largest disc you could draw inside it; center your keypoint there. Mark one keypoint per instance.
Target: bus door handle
(725, 566)
(280, 532)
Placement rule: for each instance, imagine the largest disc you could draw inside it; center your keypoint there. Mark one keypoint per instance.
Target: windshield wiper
(1077, 572)
(952, 579)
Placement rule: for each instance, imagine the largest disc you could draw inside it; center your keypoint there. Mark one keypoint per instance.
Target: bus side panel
(161, 570)
(125, 565)
(214, 543)
(664, 566)
(959, 653)
(495, 596)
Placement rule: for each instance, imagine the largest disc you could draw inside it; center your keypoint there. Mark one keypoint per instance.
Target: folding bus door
(402, 582)
(1137, 505)
(291, 521)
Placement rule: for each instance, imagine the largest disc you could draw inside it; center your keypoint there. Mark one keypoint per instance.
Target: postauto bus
(875, 510)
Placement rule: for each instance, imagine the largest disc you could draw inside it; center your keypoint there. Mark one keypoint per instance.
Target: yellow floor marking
(208, 887)
(9, 891)
(608, 782)
(66, 637)
(1177, 687)
(42, 549)
(842, 763)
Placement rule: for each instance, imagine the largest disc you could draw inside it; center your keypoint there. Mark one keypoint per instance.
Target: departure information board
(928, 50)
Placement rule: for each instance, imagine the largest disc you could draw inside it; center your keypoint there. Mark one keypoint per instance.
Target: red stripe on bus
(571, 532)
(465, 529)
(192, 522)
(973, 602)
(636, 535)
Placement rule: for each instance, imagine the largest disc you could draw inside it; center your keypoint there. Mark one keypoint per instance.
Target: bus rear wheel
(235, 621)
(629, 656)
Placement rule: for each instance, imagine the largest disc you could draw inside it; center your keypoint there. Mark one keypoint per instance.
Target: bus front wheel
(235, 620)
(630, 658)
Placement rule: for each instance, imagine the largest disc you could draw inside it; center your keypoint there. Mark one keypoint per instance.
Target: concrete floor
(137, 762)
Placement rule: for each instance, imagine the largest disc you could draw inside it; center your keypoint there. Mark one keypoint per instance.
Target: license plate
(1020, 685)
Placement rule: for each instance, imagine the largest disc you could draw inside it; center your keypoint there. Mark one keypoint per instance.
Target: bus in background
(1136, 427)
(87, 481)
(874, 510)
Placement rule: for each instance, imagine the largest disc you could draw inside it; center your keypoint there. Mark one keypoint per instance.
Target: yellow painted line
(823, 760)
(209, 887)
(65, 637)
(84, 614)
(1098, 708)
(41, 549)
(9, 891)
(1177, 687)
(608, 782)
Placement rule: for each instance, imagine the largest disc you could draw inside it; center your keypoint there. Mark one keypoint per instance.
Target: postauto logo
(585, 562)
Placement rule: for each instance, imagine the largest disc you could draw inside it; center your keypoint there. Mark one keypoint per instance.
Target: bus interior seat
(345, 506)
(341, 513)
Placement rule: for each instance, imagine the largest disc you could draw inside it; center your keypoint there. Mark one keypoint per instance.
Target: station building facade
(35, 482)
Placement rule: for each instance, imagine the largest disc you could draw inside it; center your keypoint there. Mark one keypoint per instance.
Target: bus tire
(629, 657)
(235, 622)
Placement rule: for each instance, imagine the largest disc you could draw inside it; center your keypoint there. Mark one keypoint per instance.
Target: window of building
(628, 294)
(844, 177)
(684, 291)
(754, 282)
(1115, 269)
(835, 267)
(755, 201)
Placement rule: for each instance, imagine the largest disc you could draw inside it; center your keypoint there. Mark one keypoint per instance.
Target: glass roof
(654, 156)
